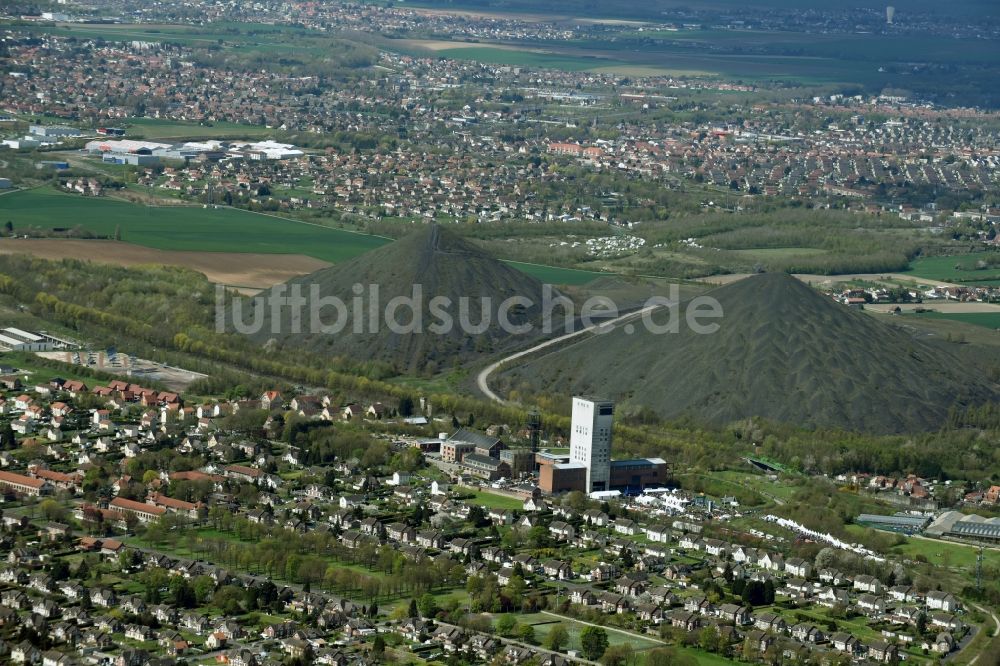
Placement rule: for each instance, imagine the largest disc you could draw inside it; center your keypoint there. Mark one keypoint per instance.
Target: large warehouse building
(957, 525)
(15, 339)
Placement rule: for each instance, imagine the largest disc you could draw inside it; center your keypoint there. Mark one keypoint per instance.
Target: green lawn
(543, 624)
(706, 658)
(495, 501)
(154, 128)
(28, 362)
(759, 483)
(948, 554)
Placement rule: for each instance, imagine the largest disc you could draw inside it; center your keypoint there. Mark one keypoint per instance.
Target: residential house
(871, 605)
(807, 633)
(626, 526)
(562, 531)
(843, 642)
(866, 583)
(943, 601)
(737, 615)
(883, 652)
(796, 566)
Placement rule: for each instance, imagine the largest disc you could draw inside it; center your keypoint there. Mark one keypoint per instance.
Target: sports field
(947, 554)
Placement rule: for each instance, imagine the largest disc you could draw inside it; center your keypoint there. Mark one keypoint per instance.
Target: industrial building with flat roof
(638, 473)
(899, 522)
(556, 478)
(257, 151)
(958, 525)
(15, 339)
(54, 131)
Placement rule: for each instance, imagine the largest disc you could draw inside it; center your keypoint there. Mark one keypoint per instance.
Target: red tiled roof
(59, 477)
(194, 476)
(20, 479)
(131, 505)
(170, 502)
(243, 469)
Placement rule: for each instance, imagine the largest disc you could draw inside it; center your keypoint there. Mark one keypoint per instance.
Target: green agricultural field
(184, 228)
(957, 269)
(525, 58)
(600, 56)
(291, 49)
(869, 60)
(212, 229)
(258, 38)
(556, 275)
(838, 46)
(985, 319)
(766, 253)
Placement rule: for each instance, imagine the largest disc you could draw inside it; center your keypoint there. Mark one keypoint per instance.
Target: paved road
(482, 380)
